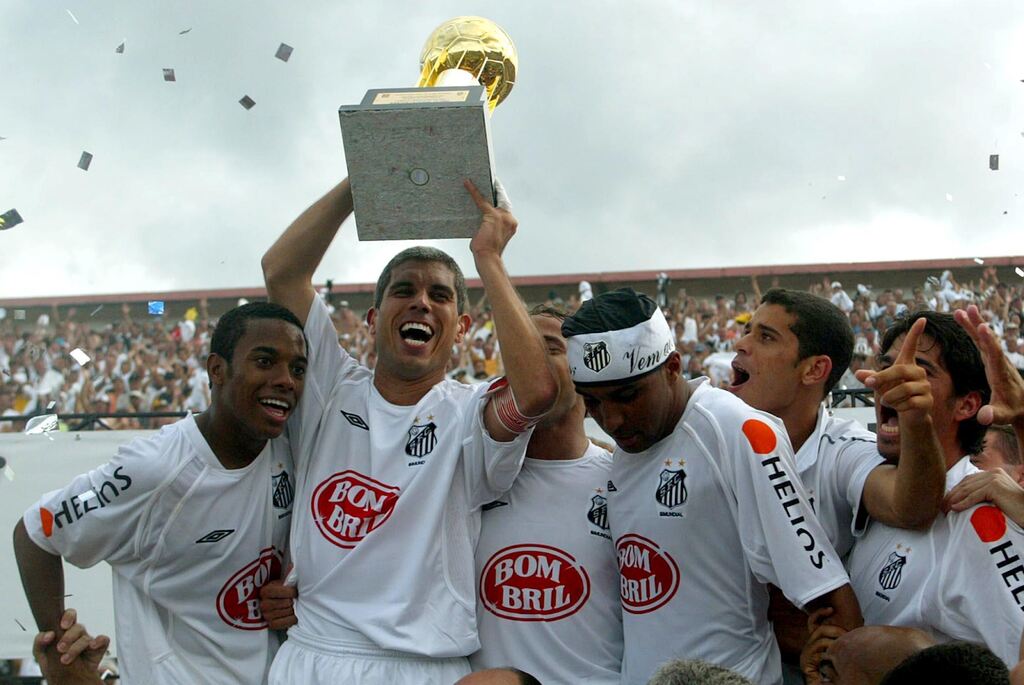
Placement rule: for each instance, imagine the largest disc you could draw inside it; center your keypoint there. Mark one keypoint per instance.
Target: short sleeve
(853, 465)
(99, 515)
(976, 592)
(784, 543)
(490, 467)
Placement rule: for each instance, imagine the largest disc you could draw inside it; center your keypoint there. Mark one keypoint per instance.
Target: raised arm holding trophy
(409, 149)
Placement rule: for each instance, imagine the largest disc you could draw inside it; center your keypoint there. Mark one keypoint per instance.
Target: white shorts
(303, 660)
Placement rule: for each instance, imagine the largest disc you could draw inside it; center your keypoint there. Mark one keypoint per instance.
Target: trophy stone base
(408, 151)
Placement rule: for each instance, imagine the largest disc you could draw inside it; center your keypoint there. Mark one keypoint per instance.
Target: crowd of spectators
(158, 366)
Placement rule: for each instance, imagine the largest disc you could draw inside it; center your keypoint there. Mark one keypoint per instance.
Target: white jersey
(389, 510)
(960, 579)
(190, 544)
(703, 520)
(834, 463)
(549, 590)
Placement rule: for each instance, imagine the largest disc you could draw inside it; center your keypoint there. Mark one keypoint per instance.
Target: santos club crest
(283, 491)
(671, 490)
(892, 572)
(598, 514)
(421, 440)
(596, 356)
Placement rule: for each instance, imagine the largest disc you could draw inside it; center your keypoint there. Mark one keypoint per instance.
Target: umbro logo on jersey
(215, 536)
(648, 576)
(422, 440)
(356, 420)
(892, 573)
(533, 583)
(283, 491)
(596, 356)
(493, 505)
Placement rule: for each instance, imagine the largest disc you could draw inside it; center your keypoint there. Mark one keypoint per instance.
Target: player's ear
(217, 369)
(816, 369)
(967, 406)
(465, 321)
(371, 320)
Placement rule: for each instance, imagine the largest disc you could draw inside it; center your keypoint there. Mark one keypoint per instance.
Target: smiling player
(192, 520)
(396, 463)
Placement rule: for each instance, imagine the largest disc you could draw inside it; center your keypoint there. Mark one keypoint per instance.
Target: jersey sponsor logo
(422, 440)
(533, 583)
(215, 535)
(648, 576)
(284, 493)
(77, 506)
(671, 490)
(493, 505)
(892, 573)
(348, 506)
(598, 514)
(238, 602)
(989, 523)
(356, 420)
(596, 356)
(785, 491)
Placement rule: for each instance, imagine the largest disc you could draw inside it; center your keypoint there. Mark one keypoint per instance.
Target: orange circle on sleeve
(46, 518)
(989, 523)
(760, 436)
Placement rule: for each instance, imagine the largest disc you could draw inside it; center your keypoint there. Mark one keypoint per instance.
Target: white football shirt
(190, 544)
(389, 506)
(834, 463)
(548, 587)
(960, 579)
(703, 521)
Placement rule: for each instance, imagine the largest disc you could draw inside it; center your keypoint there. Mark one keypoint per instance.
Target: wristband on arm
(505, 407)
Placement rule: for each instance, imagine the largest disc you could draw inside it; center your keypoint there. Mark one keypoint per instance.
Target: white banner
(39, 464)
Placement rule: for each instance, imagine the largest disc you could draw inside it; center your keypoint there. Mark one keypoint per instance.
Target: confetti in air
(993, 162)
(182, 33)
(84, 161)
(79, 356)
(247, 102)
(10, 219)
(120, 48)
(19, 625)
(979, 260)
(96, 311)
(19, 314)
(284, 51)
(73, 17)
(840, 178)
(156, 308)
(1020, 271)
(169, 75)
(949, 197)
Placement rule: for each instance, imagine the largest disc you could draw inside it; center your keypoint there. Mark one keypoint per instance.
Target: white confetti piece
(8, 472)
(96, 311)
(51, 406)
(80, 356)
(840, 178)
(42, 424)
(71, 14)
(19, 314)
(1020, 271)
(979, 260)
(949, 197)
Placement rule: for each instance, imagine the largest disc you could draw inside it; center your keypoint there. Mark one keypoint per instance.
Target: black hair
(955, 663)
(421, 253)
(1004, 439)
(232, 325)
(960, 358)
(554, 311)
(525, 678)
(820, 328)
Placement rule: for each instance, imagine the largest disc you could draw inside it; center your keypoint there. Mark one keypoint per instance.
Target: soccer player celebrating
(192, 520)
(394, 464)
(962, 577)
(795, 349)
(704, 501)
(549, 591)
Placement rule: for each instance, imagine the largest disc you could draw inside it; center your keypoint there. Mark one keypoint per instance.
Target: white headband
(611, 356)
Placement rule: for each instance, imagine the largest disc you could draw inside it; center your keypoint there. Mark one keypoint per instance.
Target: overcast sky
(639, 135)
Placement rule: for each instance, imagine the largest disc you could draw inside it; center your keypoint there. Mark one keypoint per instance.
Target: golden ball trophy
(409, 149)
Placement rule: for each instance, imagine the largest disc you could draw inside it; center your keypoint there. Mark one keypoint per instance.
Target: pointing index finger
(909, 350)
(477, 197)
